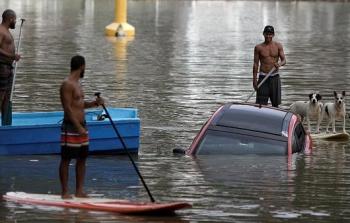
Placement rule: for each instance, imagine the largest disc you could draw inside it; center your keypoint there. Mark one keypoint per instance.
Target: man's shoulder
(277, 43)
(259, 45)
(66, 83)
(2, 30)
(263, 45)
(259, 48)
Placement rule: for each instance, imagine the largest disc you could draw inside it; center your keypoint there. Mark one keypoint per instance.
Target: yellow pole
(120, 11)
(120, 27)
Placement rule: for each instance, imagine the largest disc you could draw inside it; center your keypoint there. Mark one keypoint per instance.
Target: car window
(218, 142)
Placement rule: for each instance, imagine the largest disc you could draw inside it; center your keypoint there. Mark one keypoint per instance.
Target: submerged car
(243, 128)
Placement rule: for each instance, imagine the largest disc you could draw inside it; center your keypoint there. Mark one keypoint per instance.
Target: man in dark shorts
(7, 57)
(267, 55)
(74, 134)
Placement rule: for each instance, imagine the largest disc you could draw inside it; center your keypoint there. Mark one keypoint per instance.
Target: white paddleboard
(341, 136)
(96, 204)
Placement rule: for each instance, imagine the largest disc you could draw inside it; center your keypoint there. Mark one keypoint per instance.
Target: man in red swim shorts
(74, 134)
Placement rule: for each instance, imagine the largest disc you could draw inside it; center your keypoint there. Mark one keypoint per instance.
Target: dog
(311, 109)
(335, 111)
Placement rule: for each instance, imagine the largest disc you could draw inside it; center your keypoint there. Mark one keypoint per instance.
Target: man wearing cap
(268, 56)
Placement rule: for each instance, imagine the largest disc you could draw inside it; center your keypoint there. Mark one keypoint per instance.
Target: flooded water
(187, 58)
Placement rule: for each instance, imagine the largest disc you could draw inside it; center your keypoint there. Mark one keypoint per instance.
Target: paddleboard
(342, 136)
(96, 204)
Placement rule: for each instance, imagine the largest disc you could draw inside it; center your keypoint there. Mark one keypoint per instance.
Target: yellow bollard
(120, 27)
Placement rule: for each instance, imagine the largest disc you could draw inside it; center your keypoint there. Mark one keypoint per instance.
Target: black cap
(269, 29)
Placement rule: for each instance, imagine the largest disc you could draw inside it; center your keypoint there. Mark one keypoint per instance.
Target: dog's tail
(326, 110)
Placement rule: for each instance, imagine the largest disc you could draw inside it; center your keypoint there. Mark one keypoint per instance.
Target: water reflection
(120, 53)
(259, 182)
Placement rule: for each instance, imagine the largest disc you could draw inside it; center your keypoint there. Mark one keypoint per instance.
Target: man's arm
(66, 93)
(255, 67)
(7, 55)
(281, 55)
(90, 104)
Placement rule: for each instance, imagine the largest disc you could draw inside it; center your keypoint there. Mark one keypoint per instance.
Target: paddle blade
(6, 118)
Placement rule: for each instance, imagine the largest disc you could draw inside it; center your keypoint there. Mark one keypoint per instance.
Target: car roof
(253, 117)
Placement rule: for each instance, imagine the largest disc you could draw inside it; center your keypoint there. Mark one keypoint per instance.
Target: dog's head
(314, 98)
(339, 99)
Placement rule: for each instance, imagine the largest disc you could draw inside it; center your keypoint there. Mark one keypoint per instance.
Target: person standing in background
(268, 55)
(7, 58)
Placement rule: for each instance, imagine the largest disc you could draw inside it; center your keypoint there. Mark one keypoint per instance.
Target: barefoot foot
(66, 196)
(81, 194)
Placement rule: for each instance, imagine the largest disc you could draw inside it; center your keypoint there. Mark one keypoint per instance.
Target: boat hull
(39, 132)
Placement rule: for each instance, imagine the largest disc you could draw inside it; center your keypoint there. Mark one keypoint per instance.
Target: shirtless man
(74, 134)
(7, 57)
(268, 55)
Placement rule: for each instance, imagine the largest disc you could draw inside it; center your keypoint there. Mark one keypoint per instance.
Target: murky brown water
(187, 58)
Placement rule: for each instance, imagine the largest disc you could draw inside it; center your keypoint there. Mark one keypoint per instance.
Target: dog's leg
(319, 120)
(344, 124)
(328, 123)
(333, 125)
(308, 124)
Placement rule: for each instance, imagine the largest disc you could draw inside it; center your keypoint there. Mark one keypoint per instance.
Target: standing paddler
(267, 54)
(7, 57)
(74, 134)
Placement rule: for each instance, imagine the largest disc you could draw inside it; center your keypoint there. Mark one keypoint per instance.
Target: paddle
(7, 119)
(126, 150)
(263, 80)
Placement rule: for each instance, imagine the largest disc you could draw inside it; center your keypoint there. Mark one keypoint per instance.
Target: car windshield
(218, 142)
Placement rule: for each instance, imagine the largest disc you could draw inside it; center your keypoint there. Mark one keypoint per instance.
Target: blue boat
(39, 132)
